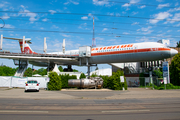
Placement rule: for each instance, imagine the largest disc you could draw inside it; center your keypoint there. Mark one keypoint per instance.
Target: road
(90, 105)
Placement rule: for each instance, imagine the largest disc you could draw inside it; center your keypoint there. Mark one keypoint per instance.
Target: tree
(82, 76)
(7, 71)
(178, 44)
(113, 82)
(175, 70)
(60, 68)
(55, 81)
(28, 72)
(94, 75)
(97, 68)
(74, 70)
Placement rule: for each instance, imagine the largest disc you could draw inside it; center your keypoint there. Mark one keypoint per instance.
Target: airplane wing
(42, 59)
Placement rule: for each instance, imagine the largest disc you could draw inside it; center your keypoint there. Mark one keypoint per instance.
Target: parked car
(32, 85)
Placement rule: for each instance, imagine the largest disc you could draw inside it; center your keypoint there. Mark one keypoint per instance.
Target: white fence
(20, 82)
(135, 82)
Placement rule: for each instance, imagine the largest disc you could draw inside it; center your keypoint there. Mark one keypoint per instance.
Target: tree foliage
(142, 79)
(175, 70)
(82, 76)
(55, 81)
(114, 82)
(178, 44)
(28, 72)
(60, 68)
(7, 71)
(65, 78)
(158, 73)
(94, 75)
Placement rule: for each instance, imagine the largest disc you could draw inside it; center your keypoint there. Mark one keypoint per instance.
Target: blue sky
(116, 22)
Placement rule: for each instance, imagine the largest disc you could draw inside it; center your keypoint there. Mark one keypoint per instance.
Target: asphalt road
(134, 104)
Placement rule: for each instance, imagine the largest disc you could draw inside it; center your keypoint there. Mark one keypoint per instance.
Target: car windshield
(31, 81)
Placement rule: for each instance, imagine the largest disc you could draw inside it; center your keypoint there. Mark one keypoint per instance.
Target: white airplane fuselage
(137, 52)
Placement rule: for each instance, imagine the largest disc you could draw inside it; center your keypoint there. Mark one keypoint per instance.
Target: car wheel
(37, 90)
(25, 91)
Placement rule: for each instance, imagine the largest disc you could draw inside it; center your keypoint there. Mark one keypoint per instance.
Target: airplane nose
(173, 52)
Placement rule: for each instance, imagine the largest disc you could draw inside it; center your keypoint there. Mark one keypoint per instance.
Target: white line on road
(17, 111)
(125, 111)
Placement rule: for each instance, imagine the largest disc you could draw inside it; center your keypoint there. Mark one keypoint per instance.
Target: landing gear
(69, 69)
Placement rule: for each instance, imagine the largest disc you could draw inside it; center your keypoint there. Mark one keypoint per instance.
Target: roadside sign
(165, 67)
(165, 80)
(122, 78)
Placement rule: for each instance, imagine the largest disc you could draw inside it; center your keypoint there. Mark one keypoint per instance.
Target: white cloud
(7, 26)
(134, 13)
(118, 14)
(101, 3)
(126, 5)
(52, 11)
(71, 1)
(84, 17)
(33, 16)
(178, 25)
(131, 2)
(178, 30)
(112, 14)
(143, 6)
(99, 38)
(126, 33)
(163, 5)
(146, 30)
(5, 5)
(177, 4)
(5, 16)
(104, 29)
(169, 30)
(64, 35)
(66, 3)
(176, 16)
(160, 16)
(135, 23)
(54, 26)
(45, 19)
(134, 1)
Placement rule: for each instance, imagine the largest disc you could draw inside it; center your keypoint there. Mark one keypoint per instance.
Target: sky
(115, 22)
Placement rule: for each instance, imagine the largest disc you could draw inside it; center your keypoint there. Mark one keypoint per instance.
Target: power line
(86, 33)
(102, 15)
(91, 21)
(136, 4)
(117, 28)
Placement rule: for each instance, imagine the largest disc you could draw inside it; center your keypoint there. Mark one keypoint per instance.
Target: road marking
(17, 111)
(125, 111)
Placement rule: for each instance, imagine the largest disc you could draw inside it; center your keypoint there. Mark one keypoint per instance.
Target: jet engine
(94, 82)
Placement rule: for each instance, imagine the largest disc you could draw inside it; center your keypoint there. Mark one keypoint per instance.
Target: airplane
(88, 56)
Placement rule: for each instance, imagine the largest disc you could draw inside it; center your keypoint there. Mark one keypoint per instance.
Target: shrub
(113, 82)
(82, 76)
(65, 78)
(55, 81)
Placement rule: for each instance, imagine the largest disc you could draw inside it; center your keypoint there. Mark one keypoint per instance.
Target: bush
(55, 81)
(82, 76)
(168, 86)
(65, 78)
(113, 82)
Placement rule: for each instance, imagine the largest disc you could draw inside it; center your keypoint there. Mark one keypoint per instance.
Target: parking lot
(89, 104)
(131, 93)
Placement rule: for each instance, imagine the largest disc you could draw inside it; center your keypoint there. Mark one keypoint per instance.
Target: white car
(32, 85)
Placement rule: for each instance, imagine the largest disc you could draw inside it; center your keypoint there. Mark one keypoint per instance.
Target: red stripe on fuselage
(130, 51)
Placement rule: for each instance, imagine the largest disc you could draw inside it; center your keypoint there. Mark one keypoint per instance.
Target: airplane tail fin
(27, 48)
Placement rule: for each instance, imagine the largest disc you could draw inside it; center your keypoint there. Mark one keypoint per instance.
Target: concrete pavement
(131, 93)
